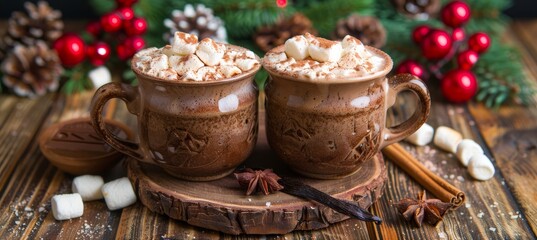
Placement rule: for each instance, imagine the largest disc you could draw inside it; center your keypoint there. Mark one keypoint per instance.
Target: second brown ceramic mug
(197, 131)
(327, 128)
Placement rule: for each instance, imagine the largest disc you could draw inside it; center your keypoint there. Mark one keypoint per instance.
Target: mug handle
(402, 82)
(130, 96)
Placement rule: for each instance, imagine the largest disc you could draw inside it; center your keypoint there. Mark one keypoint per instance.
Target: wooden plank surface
(502, 208)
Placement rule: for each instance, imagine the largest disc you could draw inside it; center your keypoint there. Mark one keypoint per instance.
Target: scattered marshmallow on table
(480, 167)
(466, 149)
(88, 186)
(100, 76)
(422, 136)
(118, 193)
(447, 139)
(67, 206)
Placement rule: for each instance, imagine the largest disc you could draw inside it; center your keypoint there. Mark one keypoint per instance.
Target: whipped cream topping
(189, 60)
(307, 56)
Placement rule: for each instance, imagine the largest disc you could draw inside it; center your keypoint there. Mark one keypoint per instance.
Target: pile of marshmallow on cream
(313, 57)
(189, 60)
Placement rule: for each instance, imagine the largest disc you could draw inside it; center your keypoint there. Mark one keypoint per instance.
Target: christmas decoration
(198, 20)
(455, 14)
(419, 33)
(94, 28)
(458, 34)
(268, 37)
(436, 44)
(126, 13)
(412, 67)
(136, 26)
(71, 49)
(39, 23)
(459, 86)
(111, 22)
(126, 3)
(31, 71)
(479, 42)
(467, 59)
(422, 209)
(418, 9)
(366, 28)
(264, 181)
(98, 53)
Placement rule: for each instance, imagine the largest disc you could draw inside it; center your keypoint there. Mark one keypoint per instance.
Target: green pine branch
(325, 14)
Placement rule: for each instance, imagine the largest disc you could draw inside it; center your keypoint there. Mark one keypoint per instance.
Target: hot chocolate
(189, 60)
(314, 58)
(326, 104)
(196, 106)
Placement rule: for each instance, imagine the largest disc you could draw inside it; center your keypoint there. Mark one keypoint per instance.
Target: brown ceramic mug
(327, 128)
(197, 131)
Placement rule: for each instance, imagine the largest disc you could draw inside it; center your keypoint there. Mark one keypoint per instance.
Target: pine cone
(417, 9)
(366, 28)
(31, 71)
(268, 37)
(199, 21)
(41, 22)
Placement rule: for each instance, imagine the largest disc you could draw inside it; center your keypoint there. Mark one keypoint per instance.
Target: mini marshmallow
(168, 50)
(191, 76)
(230, 71)
(67, 206)
(118, 193)
(350, 60)
(184, 43)
(354, 45)
(100, 76)
(447, 139)
(276, 57)
(157, 64)
(88, 186)
(210, 52)
(297, 47)
(480, 167)
(228, 58)
(168, 74)
(146, 52)
(324, 50)
(208, 73)
(246, 64)
(190, 63)
(422, 136)
(466, 149)
(343, 73)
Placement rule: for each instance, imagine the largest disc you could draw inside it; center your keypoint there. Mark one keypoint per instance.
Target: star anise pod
(421, 209)
(265, 181)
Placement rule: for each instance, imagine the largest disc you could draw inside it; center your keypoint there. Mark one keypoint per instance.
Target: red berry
(412, 67)
(459, 86)
(98, 53)
(419, 33)
(479, 42)
(457, 34)
(71, 49)
(135, 43)
(467, 59)
(126, 13)
(455, 14)
(111, 22)
(123, 52)
(136, 26)
(436, 45)
(126, 3)
(94, 28)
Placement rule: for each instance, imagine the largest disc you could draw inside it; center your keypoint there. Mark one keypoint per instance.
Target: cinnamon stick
(430, 181)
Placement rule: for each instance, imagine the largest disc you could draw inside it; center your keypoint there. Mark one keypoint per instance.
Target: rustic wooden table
(504, 207)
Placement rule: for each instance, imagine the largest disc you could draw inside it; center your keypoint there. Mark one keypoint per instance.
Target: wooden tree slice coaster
(223, 206)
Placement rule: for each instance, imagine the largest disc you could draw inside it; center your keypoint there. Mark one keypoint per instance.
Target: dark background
(81, 9)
